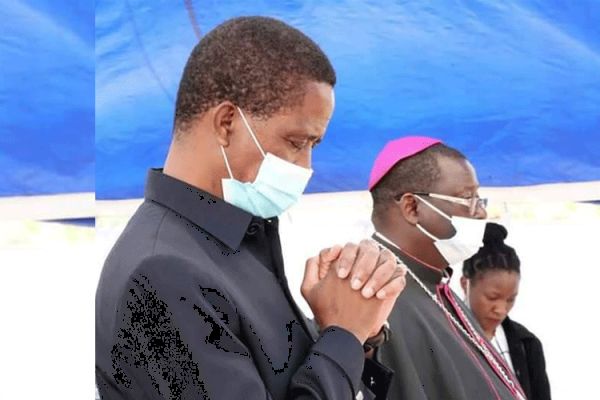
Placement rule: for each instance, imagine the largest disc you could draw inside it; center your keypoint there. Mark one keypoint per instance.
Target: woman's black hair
(493, 255)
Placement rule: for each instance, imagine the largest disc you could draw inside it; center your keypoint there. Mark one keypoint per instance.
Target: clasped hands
(353, 286)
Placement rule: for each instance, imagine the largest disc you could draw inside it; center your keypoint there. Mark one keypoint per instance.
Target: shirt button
(253, 228)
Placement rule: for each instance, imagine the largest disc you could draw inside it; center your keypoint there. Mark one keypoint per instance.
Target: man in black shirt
(193, 301)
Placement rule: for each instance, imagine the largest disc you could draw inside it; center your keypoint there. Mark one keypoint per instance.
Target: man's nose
(480, 213)
(305, 160)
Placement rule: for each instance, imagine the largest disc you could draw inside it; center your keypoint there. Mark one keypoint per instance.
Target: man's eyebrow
(463, 194)
(473, 189)
(313, 138)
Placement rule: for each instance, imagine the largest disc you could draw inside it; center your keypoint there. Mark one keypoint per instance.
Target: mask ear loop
(423, 230)
(251, 132)
(429, 235)
(443, 214)
(468, 293)
(226, 162)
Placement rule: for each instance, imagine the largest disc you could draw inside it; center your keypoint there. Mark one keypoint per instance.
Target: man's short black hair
(260, 64)
(418, 173)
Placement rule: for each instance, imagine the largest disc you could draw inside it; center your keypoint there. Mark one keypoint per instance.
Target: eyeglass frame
(473, 203)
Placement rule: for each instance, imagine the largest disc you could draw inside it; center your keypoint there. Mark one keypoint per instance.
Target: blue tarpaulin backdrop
(46, 97)
(514, 84)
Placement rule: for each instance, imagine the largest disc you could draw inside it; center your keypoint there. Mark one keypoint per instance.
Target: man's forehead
(456, 176)
(300, 124)
(313, 114)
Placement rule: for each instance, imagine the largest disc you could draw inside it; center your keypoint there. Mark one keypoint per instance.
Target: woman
(491, 284)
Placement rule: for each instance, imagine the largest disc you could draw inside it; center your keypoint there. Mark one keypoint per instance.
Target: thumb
(326, 258)
(311, 276)
(333, 253)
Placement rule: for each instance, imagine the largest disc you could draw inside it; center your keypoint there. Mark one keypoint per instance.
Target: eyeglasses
(474, 203)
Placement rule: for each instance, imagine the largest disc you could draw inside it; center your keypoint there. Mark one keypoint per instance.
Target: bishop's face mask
(468, 237)
(278, 184)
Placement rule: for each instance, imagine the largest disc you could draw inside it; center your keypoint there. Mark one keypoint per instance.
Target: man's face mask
(278, 184)
(465, 242)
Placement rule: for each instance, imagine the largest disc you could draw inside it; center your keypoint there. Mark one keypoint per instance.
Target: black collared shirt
(193, 303)
(431, 359)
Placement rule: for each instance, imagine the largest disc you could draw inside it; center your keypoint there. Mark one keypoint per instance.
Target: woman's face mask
(464, 243)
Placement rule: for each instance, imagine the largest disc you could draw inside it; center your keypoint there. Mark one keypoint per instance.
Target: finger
(365, 263)
(397, 267)
(381, 276)
(346, 260)
(311, 276)
(395, 285)
(326, 259)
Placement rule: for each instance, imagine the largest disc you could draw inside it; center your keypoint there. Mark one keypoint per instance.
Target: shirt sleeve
(174, 341)
(367, 378)
(377, 378)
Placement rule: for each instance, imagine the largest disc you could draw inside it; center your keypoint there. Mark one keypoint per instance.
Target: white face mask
(278, 184)
(465, 242)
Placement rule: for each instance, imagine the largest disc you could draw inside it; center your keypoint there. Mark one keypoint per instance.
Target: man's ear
(408, 206)
(222, 118)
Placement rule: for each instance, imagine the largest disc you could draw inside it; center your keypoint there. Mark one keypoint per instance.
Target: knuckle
(399, 284)
(400, 269)
(350, 246)
(304, 290)
(371, 256)
(373, 251)
(376, 280)
(393, 291)
(387, 268)
(359, 273)
(389, 271)
(371, 244)
(388, 254)
(346, 259)
(390, 261)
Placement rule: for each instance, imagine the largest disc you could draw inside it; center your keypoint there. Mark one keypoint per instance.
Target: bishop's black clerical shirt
(431, 358)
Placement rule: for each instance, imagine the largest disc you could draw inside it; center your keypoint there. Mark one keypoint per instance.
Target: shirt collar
(222, 220)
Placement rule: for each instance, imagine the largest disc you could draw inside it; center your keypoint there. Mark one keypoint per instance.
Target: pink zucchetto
(395, 151)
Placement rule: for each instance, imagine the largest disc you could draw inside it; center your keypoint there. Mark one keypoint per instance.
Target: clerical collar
(424, 271)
